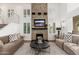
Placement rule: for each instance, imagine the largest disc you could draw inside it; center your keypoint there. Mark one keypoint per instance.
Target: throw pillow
(68, 37)
(13, 37)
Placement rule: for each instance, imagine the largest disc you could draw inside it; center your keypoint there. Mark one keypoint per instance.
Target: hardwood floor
(52, 50)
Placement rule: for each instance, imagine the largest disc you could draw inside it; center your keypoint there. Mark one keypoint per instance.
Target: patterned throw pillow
(13, 37)
(68, 37)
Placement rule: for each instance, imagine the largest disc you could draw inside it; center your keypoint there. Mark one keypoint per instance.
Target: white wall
(11, 28)
(72, 6)
(62, 14)
(56, 11)
(52, 17)
(66, 12)
(72, 10)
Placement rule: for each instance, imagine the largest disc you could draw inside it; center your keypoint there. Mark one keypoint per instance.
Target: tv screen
(39, 22)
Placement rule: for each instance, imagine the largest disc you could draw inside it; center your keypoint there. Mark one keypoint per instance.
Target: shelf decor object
(10, 12)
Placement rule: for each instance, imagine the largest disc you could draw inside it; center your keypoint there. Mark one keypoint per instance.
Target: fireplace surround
(39, 22)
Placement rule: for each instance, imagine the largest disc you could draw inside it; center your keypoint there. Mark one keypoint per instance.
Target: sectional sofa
(8, 44)
(72, 48)
(9, 48)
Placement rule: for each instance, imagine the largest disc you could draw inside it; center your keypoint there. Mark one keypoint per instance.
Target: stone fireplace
(43, 32)
(39, 20)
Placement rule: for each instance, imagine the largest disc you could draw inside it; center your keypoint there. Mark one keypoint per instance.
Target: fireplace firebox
(37, 35)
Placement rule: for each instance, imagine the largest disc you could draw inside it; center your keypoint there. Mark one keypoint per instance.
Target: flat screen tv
(39, 22)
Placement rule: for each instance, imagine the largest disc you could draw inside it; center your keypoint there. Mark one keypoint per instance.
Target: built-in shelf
(39, 13)
(45, 13)
(33, 13)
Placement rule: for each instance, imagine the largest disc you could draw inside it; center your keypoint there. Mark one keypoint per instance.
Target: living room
(55, 23)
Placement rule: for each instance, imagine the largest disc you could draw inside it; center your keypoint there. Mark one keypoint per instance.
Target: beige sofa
(60, 42)
(10, 47)
(74, 46)
(71, 48)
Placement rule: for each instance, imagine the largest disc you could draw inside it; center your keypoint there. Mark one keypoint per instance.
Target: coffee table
(38, 47)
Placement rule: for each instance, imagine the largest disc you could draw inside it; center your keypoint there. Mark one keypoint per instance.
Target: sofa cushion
(68, 48)
(60, 42)
(75, 49)
(11, 47)
(69, 44)
(75, 39)
(5, 39)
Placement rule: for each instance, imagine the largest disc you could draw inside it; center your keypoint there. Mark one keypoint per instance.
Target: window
(28, 27)
(28, 11)
(24, 12)
(24, 28)
(53, 27)
(10, 12)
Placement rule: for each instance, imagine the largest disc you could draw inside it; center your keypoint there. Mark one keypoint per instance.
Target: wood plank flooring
(52, 50)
